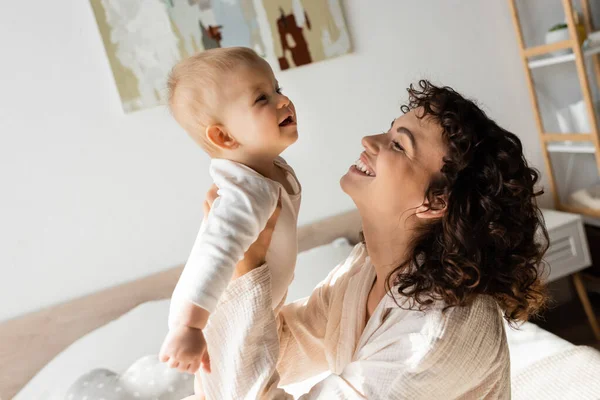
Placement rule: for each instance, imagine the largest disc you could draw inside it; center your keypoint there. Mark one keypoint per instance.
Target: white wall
(92, 197)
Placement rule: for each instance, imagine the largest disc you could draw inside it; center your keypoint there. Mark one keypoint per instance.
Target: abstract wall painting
(145, 38)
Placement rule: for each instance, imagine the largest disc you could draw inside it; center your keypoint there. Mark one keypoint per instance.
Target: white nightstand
(568, 254)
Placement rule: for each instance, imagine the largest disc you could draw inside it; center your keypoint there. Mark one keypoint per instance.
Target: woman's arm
(246, 319)
(301, 331)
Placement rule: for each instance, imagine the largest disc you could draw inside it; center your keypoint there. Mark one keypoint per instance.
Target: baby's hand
(184, 348)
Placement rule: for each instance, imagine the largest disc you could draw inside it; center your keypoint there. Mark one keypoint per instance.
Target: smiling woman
(449, 218)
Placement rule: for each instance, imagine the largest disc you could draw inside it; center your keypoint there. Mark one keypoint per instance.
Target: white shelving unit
(573, 143)
(544, 55)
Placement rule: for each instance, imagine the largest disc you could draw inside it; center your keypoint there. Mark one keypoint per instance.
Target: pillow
(114, 347)
(146, 379)
(312, 266)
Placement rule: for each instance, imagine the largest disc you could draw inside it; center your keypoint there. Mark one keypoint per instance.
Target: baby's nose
(284, 101)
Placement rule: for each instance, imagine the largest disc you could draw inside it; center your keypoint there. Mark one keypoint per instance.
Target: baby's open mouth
(287, 121)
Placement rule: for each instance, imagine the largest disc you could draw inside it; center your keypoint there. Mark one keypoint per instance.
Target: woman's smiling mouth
(363, 167)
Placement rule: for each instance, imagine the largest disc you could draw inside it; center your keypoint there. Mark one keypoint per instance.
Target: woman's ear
(220, 138)
(425, 211)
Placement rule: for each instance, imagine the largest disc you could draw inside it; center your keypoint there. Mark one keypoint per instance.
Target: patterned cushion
(146, 379)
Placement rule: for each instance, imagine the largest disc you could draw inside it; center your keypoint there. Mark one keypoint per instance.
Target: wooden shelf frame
(592, 212)
(548, 139)
(563, 137)
(548, 48)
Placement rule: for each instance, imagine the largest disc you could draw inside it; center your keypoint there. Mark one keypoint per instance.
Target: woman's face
(399, 165)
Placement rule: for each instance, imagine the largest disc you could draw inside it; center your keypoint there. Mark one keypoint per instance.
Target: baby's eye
(262, 97)
(279, 90)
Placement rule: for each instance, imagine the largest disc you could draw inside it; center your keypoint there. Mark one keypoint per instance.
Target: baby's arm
(237, 217)
(245, 203)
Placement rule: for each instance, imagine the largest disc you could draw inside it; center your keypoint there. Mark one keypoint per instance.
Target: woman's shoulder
(455, 352)
(474, 331)
(483, 312)
(481, 315)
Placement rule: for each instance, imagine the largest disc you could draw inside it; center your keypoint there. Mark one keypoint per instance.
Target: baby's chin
(289, 138)
(294, 136)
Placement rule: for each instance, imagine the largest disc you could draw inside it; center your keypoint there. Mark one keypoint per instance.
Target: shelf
(564, 137)
(561, 59)
(572, 147)
(547, 48)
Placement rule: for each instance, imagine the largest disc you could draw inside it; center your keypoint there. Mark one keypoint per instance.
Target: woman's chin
(347, 184)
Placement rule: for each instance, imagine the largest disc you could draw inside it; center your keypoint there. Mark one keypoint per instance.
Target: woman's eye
(397, 146)
(262, 97)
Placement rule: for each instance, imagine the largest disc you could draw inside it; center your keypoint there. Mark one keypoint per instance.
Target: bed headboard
(29, 342)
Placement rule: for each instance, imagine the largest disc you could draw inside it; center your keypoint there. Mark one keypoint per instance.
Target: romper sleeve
(246, 201)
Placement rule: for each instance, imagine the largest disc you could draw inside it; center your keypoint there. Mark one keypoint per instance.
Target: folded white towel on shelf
(592, 40)
(588, 197)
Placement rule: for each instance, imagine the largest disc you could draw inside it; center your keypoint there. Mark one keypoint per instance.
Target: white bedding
(140, 332)
(118, 344)
(529, 344)
(114, 346)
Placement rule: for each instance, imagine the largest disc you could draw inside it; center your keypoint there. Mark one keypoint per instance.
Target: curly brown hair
(491, 238)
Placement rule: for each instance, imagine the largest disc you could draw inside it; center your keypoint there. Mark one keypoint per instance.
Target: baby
(230, 103)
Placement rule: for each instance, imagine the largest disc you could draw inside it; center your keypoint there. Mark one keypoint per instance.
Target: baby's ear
(220, 138)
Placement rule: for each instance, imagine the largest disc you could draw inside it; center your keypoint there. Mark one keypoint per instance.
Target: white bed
(139, 331)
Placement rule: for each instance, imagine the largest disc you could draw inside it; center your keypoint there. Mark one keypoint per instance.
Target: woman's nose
(370, 144)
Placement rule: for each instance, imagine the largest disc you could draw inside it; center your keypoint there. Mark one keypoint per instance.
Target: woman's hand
(255, 256)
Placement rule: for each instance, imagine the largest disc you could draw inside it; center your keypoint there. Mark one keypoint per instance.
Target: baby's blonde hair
(193, 85)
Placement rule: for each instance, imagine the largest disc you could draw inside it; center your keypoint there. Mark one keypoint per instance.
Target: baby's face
(255, 112)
